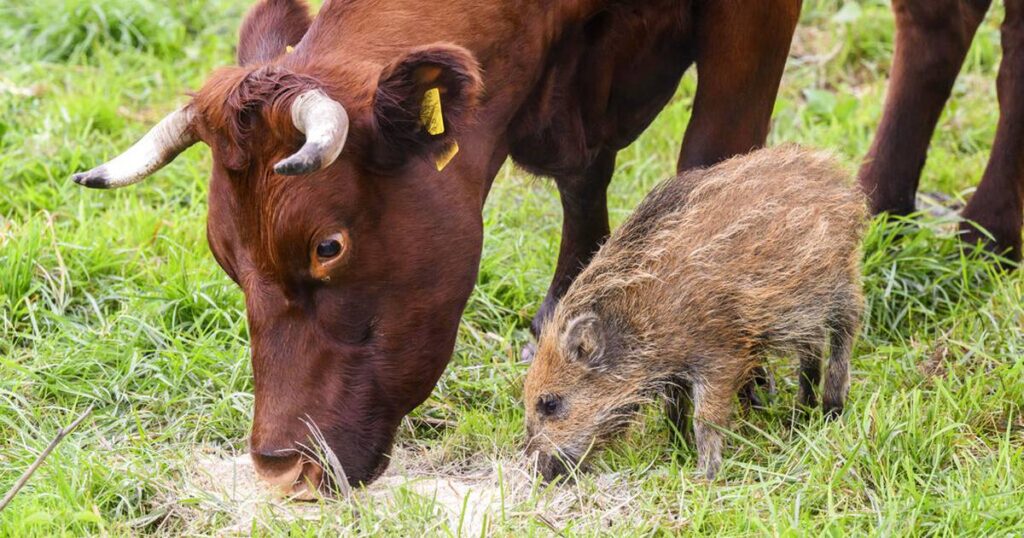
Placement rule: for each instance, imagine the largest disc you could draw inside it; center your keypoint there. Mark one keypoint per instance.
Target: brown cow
(355, 274)
(932, 39)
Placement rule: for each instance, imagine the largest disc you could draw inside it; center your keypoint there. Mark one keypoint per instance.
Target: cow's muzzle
(290, 473)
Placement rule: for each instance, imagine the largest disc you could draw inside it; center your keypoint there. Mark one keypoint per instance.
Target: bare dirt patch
(467, 497)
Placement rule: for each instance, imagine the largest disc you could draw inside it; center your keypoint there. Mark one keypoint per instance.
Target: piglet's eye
(549, 405)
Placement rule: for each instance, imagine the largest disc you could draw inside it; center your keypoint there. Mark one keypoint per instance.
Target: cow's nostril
(276, 465)
(275, 458)
(289, 473)
(274, 455)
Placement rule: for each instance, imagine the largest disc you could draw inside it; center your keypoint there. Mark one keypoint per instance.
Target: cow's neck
(510, 38)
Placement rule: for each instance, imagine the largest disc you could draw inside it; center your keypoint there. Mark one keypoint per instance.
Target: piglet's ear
(424, 100)
(584, 340)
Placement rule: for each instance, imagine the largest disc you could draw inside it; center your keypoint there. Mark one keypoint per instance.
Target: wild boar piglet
(717, 268)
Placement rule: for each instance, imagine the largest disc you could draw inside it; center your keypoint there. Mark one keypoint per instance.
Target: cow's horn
(158, 148)
(325, 124)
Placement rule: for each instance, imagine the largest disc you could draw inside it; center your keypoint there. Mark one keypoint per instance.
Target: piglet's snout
(552, 466)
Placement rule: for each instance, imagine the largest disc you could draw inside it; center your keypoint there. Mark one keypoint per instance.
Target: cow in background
(932, 40)
(353, 153)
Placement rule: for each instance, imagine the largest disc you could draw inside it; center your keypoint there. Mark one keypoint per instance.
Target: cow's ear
(270, 28)
(424, 100)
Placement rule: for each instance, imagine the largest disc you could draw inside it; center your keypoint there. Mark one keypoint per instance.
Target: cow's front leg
(932, 39)
(998, 204)
(584, 228)
(741, 54)
(741, 50)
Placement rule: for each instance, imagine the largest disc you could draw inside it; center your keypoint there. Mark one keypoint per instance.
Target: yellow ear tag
(289, 49)
(432, 119)
(430, 115)
(447, 156)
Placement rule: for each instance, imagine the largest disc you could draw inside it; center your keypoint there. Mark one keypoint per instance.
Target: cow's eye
(549, 405)
(329, 248)
(328, 255)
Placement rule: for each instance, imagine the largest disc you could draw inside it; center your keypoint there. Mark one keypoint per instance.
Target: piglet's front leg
(712, 406)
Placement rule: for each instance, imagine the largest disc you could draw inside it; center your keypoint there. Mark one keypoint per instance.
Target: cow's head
(355, 253)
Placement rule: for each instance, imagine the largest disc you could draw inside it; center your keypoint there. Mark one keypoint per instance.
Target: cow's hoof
(1005, 244)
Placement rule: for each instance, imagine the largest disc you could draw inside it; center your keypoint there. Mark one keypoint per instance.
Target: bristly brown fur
(715, 269)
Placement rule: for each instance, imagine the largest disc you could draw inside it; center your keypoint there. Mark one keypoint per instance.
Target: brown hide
(354, 342)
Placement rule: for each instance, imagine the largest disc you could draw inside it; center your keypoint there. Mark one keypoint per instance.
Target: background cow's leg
(742, 48)
(999, 201)
(584, 228)
(932, 39)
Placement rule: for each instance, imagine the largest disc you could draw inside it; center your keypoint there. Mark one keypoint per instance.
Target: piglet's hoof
(529, 350)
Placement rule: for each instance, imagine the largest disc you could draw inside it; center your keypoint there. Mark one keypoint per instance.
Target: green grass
(112, 299)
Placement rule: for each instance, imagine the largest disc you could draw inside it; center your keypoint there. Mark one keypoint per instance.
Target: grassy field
(112, 299)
